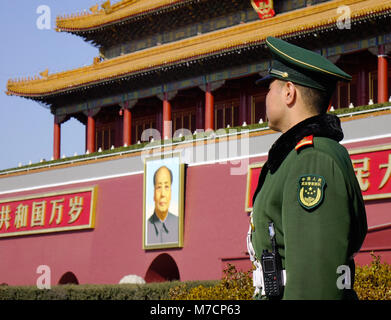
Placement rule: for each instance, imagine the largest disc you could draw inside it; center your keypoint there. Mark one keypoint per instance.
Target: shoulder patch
(306, 141)
(311, 191)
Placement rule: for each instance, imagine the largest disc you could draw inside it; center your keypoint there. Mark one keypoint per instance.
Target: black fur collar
(324, 125)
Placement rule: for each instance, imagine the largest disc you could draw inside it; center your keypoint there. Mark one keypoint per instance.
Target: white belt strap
(257, 272)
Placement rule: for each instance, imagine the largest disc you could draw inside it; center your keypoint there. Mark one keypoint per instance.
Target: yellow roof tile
(110, 14)
(198, 46)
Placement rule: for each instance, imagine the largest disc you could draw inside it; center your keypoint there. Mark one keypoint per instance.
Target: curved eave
(305, 20)
(92, 21)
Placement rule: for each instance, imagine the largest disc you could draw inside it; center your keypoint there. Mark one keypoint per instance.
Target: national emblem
(311, 191)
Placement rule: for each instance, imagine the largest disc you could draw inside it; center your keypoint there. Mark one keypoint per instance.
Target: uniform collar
(323, 125)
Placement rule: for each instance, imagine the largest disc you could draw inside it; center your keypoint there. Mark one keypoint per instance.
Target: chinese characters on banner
(50, 212)
(371, 165)
(373, 171)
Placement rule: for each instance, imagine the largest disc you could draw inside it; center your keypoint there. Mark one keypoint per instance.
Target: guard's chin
(274, 127)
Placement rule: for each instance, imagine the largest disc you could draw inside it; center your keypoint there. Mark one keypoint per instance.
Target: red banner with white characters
(373, 171)
(49, 212)
(264, 8)
(371, 165)
(254, 170)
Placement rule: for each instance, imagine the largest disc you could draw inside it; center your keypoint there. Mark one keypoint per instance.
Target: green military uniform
(309, 190)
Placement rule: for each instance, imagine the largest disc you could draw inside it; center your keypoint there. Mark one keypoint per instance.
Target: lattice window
(227, 113)
(105, 137)
(258, 107)
(184, 119)
(142, 124)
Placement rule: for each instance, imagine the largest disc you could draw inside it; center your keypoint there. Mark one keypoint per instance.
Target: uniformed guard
(308, 217)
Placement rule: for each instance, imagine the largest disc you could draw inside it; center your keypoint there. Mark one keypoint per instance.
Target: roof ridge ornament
(94, 9)
(264, 8)
(107, 7)
(44, 74)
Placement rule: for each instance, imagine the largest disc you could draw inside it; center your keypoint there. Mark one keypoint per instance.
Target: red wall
(114, 248)
(215, 227)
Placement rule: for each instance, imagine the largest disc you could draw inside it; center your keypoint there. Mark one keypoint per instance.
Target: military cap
(302, 66)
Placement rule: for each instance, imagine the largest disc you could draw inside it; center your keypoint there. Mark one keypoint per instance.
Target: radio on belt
(272, 268)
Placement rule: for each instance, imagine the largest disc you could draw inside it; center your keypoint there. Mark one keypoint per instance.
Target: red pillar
(127, 127)
(363, 88)
(382, 76)
(167, 124)
(209, 109)
(199, 115)
(242, 108)
(56, 140)
(91, 134)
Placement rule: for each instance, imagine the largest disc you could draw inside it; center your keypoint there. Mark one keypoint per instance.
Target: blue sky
(26, 127)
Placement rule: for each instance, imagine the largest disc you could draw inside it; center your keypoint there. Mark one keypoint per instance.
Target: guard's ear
(289, 91)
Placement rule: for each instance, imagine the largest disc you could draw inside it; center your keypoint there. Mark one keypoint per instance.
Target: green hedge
(373, 282)
(150, 291)
(373, 107)
(235, 285)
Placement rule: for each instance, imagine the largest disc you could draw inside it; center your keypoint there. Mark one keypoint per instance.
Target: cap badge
(283, 74)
